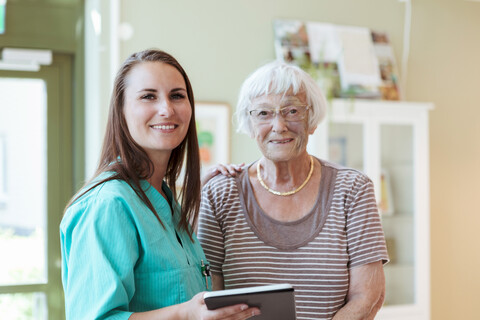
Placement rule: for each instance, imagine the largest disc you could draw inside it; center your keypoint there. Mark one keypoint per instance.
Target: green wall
(42, 24)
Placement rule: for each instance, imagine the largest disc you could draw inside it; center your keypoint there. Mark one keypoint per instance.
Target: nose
(165, 108)
(278, 123)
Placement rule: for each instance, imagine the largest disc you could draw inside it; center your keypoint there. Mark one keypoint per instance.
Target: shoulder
(348, 181)
(222, 191)
(108, 191)
(345, 173)
(221, 184)
(110, 199)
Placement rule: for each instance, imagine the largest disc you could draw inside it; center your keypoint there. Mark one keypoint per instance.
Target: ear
(312, 130)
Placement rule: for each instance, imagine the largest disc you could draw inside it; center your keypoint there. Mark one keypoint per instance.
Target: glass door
(396, 206)
(346, 144)
(23, 212)
(35, 183)
(356, 144)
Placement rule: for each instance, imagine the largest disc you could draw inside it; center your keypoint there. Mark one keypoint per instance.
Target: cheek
(258, 133)
(188, 114)
(129, 119)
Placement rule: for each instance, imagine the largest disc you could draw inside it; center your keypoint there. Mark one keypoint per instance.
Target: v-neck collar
(161, 204)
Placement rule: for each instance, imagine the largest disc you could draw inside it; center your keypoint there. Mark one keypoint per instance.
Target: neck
(293, 171)
(160, 163)
(290, 185)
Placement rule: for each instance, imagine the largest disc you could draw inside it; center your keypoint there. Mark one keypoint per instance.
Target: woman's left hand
(197, 309)
(228, 170)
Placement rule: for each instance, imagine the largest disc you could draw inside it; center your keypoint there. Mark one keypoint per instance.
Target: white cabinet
(389, 142)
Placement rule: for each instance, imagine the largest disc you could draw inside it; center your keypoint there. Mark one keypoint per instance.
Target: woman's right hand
(228, 170)
(197, 309)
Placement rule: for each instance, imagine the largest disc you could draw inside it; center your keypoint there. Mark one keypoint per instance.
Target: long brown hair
(129, 162)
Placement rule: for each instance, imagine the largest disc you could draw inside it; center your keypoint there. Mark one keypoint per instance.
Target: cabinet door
(397, 209)
(346, 144)
(389, 142)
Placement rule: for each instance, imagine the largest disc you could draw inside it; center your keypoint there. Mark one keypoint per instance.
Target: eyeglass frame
(278, 111)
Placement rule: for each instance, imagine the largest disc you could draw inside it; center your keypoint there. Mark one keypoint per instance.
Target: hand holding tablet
(274, 301)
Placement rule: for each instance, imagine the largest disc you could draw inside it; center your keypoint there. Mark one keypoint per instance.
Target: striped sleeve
(365, 238)
(210, 232)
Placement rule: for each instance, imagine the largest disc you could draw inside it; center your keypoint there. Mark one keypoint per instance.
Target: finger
(232, 170)
(240, 166)
(229, 312)
(199, 297)
(246, 314)
(224, 170)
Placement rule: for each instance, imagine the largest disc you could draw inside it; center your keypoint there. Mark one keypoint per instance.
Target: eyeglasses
(289, 113)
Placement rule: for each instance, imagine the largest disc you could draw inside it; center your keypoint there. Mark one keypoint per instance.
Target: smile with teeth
(164, 127)
(281, 141)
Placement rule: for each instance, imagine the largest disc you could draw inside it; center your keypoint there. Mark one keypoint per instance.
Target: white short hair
(278, 77)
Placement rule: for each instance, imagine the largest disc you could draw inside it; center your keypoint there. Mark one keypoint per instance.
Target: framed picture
(3, 171)
(213, 130)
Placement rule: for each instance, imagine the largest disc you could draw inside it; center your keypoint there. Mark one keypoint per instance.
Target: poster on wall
(312, 47)
(213, 130)
(346, 61)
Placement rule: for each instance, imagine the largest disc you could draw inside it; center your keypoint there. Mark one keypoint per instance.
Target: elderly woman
(290, 217)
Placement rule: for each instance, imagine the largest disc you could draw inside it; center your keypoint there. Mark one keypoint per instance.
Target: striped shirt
(314, 253)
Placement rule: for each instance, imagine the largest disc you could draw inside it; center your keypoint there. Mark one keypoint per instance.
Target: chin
(279, 157)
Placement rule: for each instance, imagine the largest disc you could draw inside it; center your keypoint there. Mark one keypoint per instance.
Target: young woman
(128, 249)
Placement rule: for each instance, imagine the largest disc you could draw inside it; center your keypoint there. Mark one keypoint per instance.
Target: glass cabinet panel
(346, 144)
(396, 206)
(389, 142)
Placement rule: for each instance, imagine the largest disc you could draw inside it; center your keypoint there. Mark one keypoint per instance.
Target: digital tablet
(274, 301)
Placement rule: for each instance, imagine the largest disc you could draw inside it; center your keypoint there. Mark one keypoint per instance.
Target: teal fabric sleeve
(99, 275)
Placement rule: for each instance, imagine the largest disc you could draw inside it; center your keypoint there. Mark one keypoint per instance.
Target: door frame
(58, 80)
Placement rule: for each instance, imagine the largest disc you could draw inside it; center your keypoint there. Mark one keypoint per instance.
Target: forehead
(152, 74)
(281, 99)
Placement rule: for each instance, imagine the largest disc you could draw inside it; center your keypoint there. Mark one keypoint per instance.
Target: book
(274, 301)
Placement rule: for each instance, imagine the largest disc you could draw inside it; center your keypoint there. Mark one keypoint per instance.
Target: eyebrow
(282, 104)
(155, 90)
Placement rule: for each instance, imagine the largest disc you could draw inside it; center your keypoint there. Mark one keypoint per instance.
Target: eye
(177, 96)
(290, 110)
(148, 96)
(262, 113)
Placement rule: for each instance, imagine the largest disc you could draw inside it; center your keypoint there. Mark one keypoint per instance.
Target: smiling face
(156, 108)
(280, 140)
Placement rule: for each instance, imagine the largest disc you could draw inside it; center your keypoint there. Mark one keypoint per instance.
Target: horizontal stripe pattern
(351, 236)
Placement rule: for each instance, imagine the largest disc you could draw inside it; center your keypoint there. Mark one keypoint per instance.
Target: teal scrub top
(117, 258)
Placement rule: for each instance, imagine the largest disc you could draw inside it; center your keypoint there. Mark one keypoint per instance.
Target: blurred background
(53, 112)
